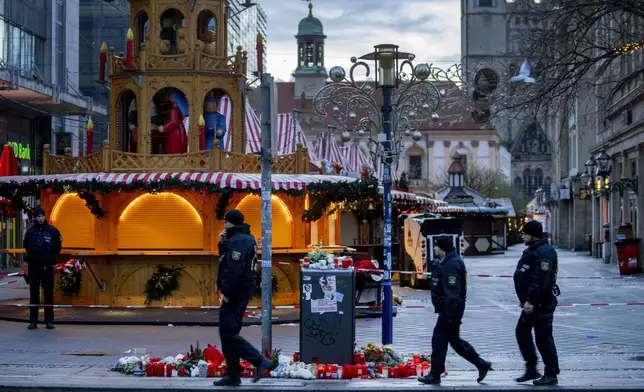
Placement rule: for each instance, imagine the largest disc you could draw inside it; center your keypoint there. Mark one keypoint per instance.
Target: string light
(629, 48)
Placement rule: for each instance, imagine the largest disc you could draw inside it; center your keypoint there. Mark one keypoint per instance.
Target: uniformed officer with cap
(235, 282)
(535, 282)
(449, 291)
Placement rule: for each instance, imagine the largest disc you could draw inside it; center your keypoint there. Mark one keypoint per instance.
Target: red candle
(416, 358)
(168, 370)
(296, 357)
(149, 369)
(102, 62)
(90, 135)
(321, 371)
(129, 50)
(182, 372)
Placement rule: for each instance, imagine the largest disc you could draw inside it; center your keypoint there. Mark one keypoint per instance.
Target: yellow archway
(251, 207)
(160, 221)
(77, 225)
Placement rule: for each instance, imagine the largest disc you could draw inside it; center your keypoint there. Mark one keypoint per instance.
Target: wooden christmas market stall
(147, 205)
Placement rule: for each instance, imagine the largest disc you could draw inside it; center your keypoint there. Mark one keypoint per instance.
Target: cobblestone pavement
(590, 339)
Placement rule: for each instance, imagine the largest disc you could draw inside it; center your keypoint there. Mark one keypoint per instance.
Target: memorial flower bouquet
(70, 277)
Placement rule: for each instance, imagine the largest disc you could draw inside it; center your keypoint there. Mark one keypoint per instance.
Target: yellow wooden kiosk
(150, 195)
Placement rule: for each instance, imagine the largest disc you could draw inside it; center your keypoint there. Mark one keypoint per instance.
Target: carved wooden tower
(175, 71)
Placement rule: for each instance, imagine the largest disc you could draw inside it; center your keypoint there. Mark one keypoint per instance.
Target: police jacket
(237, 259)
(449, 285)
(42, 243)
(536, 275)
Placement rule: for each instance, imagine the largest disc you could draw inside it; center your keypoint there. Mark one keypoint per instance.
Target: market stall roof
(251, 181)
(223, 180)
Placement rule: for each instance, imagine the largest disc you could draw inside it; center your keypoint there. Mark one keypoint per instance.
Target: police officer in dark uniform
(235, 281)
(43, 243)
(535, 282)
(449, 291)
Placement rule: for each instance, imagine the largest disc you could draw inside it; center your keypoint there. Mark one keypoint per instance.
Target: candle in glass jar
(416, 358)
(168, 370)
(321, 372)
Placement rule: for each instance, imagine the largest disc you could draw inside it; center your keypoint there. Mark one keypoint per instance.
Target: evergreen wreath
(163, 283)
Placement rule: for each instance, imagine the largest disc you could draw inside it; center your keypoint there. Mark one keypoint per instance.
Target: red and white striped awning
(251, 181)
(253, 127)
(355, 157)
(448, 209)
(289, 134)
(327, 149)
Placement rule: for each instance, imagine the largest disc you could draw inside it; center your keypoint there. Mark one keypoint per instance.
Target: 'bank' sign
(22, 151)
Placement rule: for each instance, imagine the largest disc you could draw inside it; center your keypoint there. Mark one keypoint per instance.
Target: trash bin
(327, 316)
(628, 254)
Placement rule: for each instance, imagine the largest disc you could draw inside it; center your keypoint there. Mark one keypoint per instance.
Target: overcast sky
(428, 28)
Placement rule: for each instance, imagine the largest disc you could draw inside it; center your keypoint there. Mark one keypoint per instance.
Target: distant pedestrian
(449, 292)
(42, 243)
(535, 282)
(235, 282)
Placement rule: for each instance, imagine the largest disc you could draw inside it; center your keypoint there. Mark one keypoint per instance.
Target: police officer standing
(535, 283)
(235, 281)
(43, 243)
(449, 291)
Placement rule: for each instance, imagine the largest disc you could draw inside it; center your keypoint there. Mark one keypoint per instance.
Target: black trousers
(449, 333)
(41, 274)
(542, 324)
(234, 347)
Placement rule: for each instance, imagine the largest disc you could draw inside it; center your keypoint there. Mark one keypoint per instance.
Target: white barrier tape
(297, 306)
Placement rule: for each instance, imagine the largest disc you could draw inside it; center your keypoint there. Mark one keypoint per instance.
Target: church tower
(310, 74)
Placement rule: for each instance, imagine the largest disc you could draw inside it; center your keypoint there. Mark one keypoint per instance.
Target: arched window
(538, 179)
(517, 184)
(527, 183)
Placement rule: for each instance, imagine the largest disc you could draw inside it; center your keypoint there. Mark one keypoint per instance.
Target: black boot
(531, 373)
(50, 326)
(261, 369)
(483, 367)
(227, 382)
(431, 379)
(546, 381)
(32, 325)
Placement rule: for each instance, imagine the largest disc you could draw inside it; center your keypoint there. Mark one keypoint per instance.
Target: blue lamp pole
(355, 108)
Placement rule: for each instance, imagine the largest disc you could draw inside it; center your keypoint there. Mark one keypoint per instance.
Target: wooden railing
(193, 58)
(216, 160)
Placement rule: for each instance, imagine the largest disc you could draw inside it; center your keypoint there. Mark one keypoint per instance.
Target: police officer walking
(43, 243)
(449, 291)
(535, 282)
(235, 281)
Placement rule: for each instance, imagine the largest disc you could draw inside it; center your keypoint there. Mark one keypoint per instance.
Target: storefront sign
(22, 151)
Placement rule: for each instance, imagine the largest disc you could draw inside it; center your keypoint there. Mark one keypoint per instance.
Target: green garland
(163, 283)
(92, 203)
(323, 194)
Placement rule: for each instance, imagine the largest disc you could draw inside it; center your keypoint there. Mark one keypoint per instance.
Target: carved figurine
(168, 42)
(176, 140)
(182, 104)
(215, 124)
(182, 44)
(208, 39)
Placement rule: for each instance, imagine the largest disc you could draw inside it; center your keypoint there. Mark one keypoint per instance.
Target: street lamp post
(407, 100)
